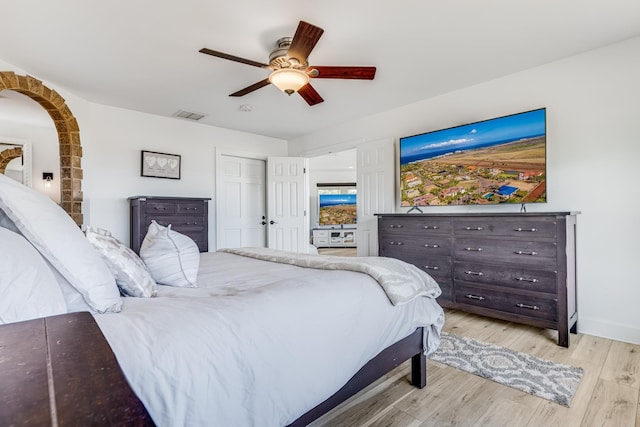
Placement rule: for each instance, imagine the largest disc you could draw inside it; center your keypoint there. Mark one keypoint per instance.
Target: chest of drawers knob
(524, 279)
(528, 306)
(474, 273)
(532, 253)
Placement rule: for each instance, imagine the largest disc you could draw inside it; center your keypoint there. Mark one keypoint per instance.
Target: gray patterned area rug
(543, 378)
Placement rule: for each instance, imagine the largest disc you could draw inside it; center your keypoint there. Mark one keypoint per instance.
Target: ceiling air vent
(188, 115)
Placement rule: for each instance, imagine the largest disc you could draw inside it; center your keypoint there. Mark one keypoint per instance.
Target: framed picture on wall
(160, 165)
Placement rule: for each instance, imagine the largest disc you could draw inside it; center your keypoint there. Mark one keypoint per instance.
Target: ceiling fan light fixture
(289, 80)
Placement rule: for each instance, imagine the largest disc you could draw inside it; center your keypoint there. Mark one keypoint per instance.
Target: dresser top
(479, 214)
(167, 198)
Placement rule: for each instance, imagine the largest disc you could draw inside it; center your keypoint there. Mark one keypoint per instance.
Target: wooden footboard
(384, 362)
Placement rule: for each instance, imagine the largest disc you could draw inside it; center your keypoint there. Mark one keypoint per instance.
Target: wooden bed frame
(384, 362)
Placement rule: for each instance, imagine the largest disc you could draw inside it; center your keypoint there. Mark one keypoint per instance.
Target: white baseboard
(611, 330)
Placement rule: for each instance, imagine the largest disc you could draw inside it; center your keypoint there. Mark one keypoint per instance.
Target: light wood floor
(338, 251)
(607, 395)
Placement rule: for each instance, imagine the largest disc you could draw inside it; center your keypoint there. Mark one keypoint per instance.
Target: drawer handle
(525, 229)
(191, 209)
(429, 267)
(395, 226)
(530, 307)
(473, 249)
(524, 279)
(474, 273)
(474, 228)
(431, 227)
(396, 243)
(471, 296)
(160, 208)
(525, 253)
(431, 246)
(190, 223)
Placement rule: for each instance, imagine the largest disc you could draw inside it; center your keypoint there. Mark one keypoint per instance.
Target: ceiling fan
(290, 67)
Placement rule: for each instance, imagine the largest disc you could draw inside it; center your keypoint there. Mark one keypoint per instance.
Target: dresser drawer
(160, 207)
(190, 208)
(178, 223)
(524, 305)
(527, 228)
(422, 225)
(507, 276)
(420, 246)
(435, 266)
(526, 253)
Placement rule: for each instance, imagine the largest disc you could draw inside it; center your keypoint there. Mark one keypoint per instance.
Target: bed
(265, 338)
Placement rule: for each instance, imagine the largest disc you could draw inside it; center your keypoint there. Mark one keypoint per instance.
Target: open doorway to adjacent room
(333, 203)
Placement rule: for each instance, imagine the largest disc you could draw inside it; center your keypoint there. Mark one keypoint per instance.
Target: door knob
(264, 223)
(272, 222)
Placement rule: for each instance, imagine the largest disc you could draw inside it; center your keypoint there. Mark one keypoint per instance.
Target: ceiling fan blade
(249, 89)
(304, 40)
(233, 58)
(362, 73)
(309, 94)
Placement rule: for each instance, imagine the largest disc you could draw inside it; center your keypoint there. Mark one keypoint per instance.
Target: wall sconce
(47, 177)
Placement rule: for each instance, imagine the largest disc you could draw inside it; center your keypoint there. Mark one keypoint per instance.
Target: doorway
(331, 176)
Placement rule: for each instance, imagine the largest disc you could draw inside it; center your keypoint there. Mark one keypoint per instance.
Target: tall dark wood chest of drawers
(515, 267)
(187, 215)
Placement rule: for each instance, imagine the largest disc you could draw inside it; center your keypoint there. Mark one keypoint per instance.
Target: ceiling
(143, 55)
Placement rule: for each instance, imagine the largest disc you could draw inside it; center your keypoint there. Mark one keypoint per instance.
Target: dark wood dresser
(515, 267)
(60, 370)
(187, 215)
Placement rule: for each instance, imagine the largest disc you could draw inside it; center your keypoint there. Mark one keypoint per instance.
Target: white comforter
(258, 343)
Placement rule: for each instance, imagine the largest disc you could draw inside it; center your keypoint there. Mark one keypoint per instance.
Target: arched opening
(68, 137)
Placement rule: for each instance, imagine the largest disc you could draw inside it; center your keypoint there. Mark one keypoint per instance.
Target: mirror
(15, 160)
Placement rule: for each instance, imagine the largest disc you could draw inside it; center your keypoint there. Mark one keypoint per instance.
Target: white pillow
(28, 288)
(54, 234)
(172, 258)
(131, 274)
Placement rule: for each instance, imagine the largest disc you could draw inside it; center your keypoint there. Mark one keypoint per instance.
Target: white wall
(593, 151)
(111, 162)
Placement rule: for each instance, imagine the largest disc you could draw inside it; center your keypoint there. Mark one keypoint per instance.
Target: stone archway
(68, 137)
(7, 155)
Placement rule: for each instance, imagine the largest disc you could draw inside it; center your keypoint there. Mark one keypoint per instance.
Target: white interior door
(241, 207)
(287, 204)
(376, 190)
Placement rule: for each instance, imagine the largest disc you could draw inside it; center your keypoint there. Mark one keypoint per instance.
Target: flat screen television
(337, 209)
(501, 160)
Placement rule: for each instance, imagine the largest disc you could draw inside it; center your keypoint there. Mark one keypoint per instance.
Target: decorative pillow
(28, 287)
(54, 234)
(131, 273)
(172, 258)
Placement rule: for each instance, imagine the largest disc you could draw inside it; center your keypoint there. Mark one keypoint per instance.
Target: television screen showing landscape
(502, 160)
(337, 209)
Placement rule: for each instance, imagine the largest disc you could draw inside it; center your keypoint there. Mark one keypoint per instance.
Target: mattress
(257, 343)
